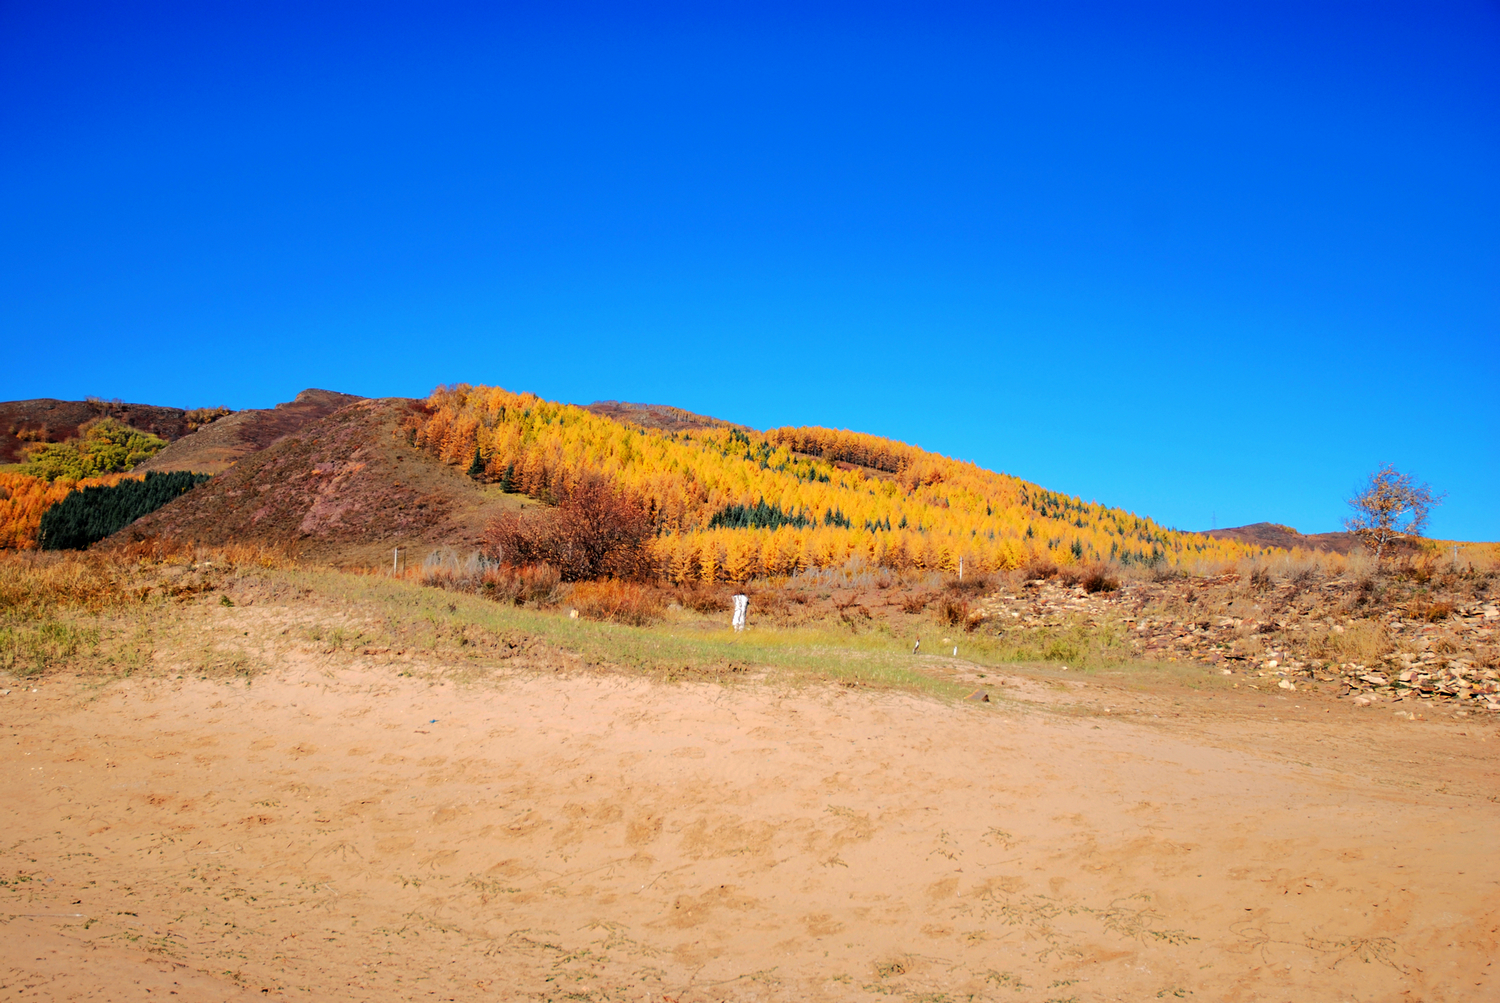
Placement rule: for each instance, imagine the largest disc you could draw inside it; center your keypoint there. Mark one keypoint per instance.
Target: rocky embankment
(1373, 639)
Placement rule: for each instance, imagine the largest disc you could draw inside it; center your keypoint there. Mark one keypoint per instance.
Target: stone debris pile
(1375, 640)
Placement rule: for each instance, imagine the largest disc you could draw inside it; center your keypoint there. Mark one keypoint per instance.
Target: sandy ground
(337, 831)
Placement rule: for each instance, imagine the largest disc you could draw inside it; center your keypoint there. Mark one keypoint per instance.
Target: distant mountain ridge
(1273, 534)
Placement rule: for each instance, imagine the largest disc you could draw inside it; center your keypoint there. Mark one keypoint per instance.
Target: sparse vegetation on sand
(1422, 634)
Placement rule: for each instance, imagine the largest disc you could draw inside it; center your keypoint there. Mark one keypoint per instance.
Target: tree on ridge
(1390, 507)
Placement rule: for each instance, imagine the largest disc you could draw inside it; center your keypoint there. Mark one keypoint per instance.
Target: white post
(741, 605)
(394, 555)
(960, 569)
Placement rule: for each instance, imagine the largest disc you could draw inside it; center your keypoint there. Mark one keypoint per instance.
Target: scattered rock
(1288, 629)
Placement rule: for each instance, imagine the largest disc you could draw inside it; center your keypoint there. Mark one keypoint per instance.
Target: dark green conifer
(90, 514)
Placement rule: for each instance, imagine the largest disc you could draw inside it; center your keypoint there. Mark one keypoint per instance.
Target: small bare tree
(1390, 507)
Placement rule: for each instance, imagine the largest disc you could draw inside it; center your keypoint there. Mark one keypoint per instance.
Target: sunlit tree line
(731, 503)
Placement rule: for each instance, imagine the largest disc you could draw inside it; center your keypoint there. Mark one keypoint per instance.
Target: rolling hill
(345, 479)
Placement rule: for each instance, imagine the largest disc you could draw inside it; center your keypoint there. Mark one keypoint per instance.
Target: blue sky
(1210, 262)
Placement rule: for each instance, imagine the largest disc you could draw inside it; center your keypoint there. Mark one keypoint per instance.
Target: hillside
(47, 420)
(344, 488)
(733, 503)
(348, 477)
(214, 448)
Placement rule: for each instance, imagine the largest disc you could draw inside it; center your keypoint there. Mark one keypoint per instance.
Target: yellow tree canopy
(732, 503)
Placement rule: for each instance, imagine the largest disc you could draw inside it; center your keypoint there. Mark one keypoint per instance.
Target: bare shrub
(851, 610)
(916, 602)
(617, 601)
(704, 597)
(1304, 577)
(1360, 642)
(1038, 567)
(1164, 572)
(770, 601)
(1100, 580)
(1093, 577)
(954, 610)
(596, 530)
(537, 584)
(445, 568)
(970, 585)
(855, 573)
(1366, 589)
(1433, 611)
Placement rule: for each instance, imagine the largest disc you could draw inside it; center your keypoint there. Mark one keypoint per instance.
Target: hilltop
(347, 477)
(1275, 535)
(729, 502)
(662, 416)
(215, 448)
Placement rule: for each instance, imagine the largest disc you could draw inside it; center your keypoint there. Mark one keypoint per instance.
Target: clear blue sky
(1208, 261)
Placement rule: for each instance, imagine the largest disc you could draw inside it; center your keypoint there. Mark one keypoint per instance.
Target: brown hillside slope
(1271, 534)
(215, 448)
(49, 420)
(662, 416)
(345, 489)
